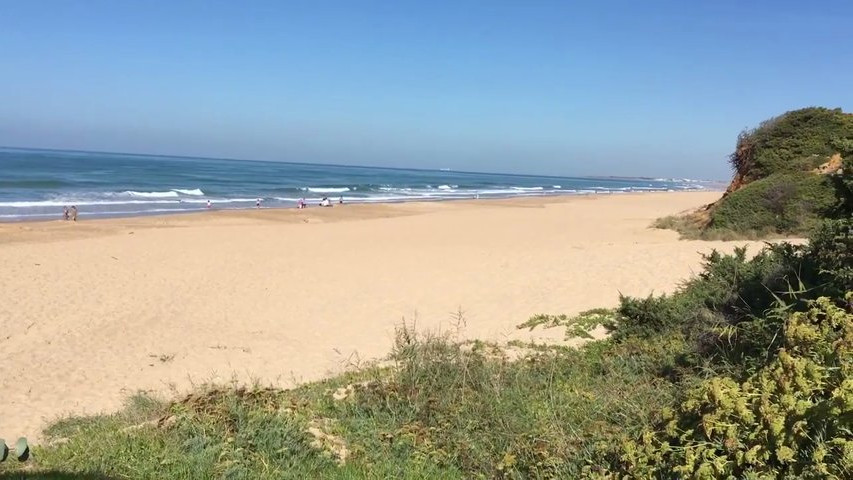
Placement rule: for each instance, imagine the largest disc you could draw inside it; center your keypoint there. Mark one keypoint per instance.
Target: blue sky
(565, 88)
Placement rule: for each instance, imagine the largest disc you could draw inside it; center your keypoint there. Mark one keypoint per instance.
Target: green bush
(792, 419)
(776, 189)
(646, 317)
(831, 247)
(796, 141)
(844, 183)
(730, 313)
(782, 203)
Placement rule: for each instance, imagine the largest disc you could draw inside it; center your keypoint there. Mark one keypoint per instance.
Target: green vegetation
(745, 372)
(445, 410)
(785, 172)
(780, 203)
(797, 141)
(791, 418)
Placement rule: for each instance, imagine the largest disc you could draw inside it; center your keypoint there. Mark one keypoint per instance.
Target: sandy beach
(95, 310)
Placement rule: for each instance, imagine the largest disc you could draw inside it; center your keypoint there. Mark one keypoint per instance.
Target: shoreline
(201, 211)
(101, 309)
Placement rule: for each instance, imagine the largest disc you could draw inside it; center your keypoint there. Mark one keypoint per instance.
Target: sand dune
(96, 310)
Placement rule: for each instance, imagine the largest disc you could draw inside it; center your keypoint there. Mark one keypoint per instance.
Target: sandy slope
(95, 310)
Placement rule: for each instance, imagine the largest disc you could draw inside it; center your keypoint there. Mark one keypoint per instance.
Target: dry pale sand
(95, 310)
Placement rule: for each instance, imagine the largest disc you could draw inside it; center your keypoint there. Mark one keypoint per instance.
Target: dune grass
(443, 410)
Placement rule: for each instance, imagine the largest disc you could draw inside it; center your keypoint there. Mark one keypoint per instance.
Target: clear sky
(553, 87)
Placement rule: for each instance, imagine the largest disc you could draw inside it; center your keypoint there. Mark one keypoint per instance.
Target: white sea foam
(194, 192)
(63, 203)
(368, 199)
(220, 200)
(327, 189)
(498, 191)
(392, 198)
(528, 189)
(169, 194)
(445, 187)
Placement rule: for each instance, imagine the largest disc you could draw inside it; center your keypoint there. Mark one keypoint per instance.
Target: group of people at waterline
(324, 202)
(71, 213)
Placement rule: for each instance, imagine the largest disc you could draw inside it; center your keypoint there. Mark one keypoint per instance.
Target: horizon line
(443, 169)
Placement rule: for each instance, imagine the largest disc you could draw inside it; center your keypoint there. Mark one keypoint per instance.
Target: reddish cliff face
(737, 182)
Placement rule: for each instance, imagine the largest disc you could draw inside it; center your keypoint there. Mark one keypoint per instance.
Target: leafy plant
(791, 419)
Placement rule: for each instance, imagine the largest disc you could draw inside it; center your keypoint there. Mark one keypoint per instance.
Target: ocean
(37, 184)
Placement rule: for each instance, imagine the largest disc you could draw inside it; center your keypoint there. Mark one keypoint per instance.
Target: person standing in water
(65, 214)
(74, 213)
(258, 203)
(208, 204)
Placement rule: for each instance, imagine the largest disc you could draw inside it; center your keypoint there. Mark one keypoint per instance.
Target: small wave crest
(196, 192)
(326, 189)
(169, 194)
(65, 203)
(220, 200)
(173, 193)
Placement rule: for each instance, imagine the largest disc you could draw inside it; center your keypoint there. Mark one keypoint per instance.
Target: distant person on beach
(74, 213)
(258, 203)
(341, 200)
(300, 204)
(65, 214)
(208, 204)
(325, 202)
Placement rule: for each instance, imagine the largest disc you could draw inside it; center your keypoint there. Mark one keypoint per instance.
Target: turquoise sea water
(37, 184)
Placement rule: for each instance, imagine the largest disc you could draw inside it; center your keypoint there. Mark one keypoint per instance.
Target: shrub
(831, 247)
(791, 419)
(776, 189)
(779, 204)
(646, 317)
(798, 140)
